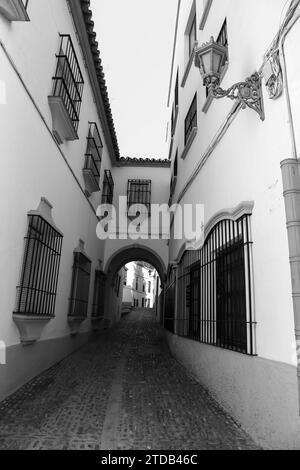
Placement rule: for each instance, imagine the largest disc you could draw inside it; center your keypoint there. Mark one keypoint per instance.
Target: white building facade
(60, 161)
(229, 305)
(230, 308)
(140, 290)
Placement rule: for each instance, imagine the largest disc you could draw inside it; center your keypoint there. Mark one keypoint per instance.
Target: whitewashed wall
(245, 166)
(32, 166)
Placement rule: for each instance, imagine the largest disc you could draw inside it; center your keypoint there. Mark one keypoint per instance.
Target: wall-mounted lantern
(210, 59)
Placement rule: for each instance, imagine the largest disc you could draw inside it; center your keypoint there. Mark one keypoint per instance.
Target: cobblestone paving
(123, 391)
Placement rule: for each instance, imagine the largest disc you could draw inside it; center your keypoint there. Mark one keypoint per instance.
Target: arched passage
(120, 259)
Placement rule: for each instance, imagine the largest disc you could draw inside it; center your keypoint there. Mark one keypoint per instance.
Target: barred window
(190, 120)
(169, 317)
(108, 188)
(139, 192)
(174, 176)
(68, 80)
(192, 35)
(214, 289)
(92, 166)
(99, 295)
(36, 294)
(80, 286)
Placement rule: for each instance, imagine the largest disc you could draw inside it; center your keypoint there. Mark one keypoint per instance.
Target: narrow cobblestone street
(123, 391)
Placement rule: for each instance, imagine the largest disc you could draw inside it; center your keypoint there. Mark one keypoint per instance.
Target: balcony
(65, 101)
(92, 167)
(14, 10)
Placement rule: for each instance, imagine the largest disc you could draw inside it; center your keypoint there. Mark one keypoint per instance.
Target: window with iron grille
(68, 80)
(169, 316)
(190, 120)
(222, 39)
(215, 289)
(174, 176)
(175, 107)
(80, 286)
(139, 193)
(192, 35)
(93, 157)
(36, 294)
(99, 295)
(108, 188)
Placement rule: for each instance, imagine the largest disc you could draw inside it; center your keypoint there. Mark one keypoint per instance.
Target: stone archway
(120, 259)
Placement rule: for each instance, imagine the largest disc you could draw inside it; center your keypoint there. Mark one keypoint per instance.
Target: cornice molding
(143, 162)
(244, 208)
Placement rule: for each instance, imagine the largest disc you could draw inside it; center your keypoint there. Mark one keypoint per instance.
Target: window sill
(205, 14)
(210, 98)
(30, 327)
(13, 10)
(61, 123)
(188, 68)
(189, 143)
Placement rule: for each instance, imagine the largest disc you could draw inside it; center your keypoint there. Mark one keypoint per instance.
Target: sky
(135, 41)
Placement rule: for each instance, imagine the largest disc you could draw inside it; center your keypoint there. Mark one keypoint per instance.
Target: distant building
(140, 290)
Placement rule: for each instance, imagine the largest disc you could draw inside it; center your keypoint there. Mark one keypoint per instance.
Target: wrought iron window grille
(192, 36)
(99, 295)
(170, 293)
(108, 188)
(94, 149)
(68, 79)
(139, 195)
(215, 290)
(191, 120)
(222, 39)
(80, 286)
(36, 293)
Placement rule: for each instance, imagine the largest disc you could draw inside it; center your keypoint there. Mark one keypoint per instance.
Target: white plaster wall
(33, 46)
(245, 166)
(260, 394)
(32, 166)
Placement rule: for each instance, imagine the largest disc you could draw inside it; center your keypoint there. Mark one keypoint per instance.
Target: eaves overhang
(82, 17)
(143, 162)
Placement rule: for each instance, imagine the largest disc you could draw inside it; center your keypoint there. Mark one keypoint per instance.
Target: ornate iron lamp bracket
(249, 93)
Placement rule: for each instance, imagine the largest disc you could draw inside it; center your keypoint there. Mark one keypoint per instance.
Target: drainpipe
(291, 186)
